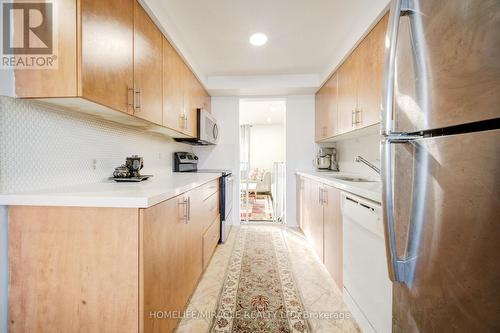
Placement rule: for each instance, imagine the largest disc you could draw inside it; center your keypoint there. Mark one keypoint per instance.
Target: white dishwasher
(367, 288)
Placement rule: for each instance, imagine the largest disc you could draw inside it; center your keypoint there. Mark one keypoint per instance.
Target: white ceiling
(262, 111)
(306, 37)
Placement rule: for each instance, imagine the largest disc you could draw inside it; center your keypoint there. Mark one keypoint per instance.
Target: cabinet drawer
(211, 207)
(210, 240)
(209, 188)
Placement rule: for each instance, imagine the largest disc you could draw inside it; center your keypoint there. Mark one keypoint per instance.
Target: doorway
(262, 160)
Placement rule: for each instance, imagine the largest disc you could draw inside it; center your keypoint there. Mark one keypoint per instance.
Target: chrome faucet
(361, 159)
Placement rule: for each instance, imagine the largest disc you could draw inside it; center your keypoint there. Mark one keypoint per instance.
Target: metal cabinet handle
(185, 215)
(131, 98)
(188, 209)
(353, 116)
(138, 100)
(360, 112)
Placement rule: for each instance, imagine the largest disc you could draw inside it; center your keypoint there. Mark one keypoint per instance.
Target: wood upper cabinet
(371, 72)
(359, 88)
(348, 93)
(191, 102)
(333, 234)
(148, 41)
(107, 52)
(174, 73)
(327, 109)
(113, 59)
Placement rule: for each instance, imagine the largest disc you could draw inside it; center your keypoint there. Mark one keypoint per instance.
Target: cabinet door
(371, 71)
(164, 262)
(333, 234)
(316, 216)
(147, 67)
(332, 106)
(191, 102)
(320, 113)
(173, 88)
(347, 92)
(313, 219)
(107, 33)
(194, 240)
(327, 109)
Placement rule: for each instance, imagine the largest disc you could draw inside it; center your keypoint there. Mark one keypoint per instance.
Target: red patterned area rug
(259, 208)
(259, 292)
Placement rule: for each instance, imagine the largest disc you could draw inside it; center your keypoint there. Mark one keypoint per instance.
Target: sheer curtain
(245, 150)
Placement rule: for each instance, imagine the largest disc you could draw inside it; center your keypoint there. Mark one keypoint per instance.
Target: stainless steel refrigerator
(441, 164)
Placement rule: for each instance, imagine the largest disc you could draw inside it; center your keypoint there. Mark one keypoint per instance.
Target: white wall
(267, 145)
(300, 146)
(225, 155)
(366, 146)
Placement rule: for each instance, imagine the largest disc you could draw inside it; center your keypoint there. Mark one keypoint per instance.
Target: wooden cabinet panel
(320, 113)
(147, 67)
(173, 88)
(371, 71)
(62, 81)
(107, 33)
(333, 234)
(359, 87)
(210, 240)
(327, 109)
(348, 93)
(165, 265)
(316, 219)
(73, 269)
(313, 216)
(191, 103)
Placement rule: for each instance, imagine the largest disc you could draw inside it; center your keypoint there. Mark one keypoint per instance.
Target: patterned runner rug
(259, 292)
(259, 208)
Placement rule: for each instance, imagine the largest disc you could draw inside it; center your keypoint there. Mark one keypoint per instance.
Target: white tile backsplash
(42, 147)
(367, 146)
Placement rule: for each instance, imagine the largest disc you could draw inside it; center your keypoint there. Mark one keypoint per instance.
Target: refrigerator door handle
(398, 8)
(400, 269)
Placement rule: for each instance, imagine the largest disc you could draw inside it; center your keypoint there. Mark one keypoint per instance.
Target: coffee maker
(326, 159)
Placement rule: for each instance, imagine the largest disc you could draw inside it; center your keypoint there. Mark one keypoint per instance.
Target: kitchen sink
(355, 179)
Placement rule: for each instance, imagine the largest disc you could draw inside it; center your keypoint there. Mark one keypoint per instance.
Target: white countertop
(112, 194)
(368, 190)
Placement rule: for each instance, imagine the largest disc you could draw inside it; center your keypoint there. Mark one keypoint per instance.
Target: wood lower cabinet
(148, 45)
(73, 269)
(332, 247)
(351, 98)
(165, 266)
(321, 221)
(312, 222)
(108, 269)
(210, 240)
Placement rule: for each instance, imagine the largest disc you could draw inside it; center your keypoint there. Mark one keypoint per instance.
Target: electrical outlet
(94, 164)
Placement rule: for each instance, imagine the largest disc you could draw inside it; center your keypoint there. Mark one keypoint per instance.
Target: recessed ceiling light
(268, 119)
(258, 39)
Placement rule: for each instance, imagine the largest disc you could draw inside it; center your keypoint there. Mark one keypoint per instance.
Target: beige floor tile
(318, 290)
